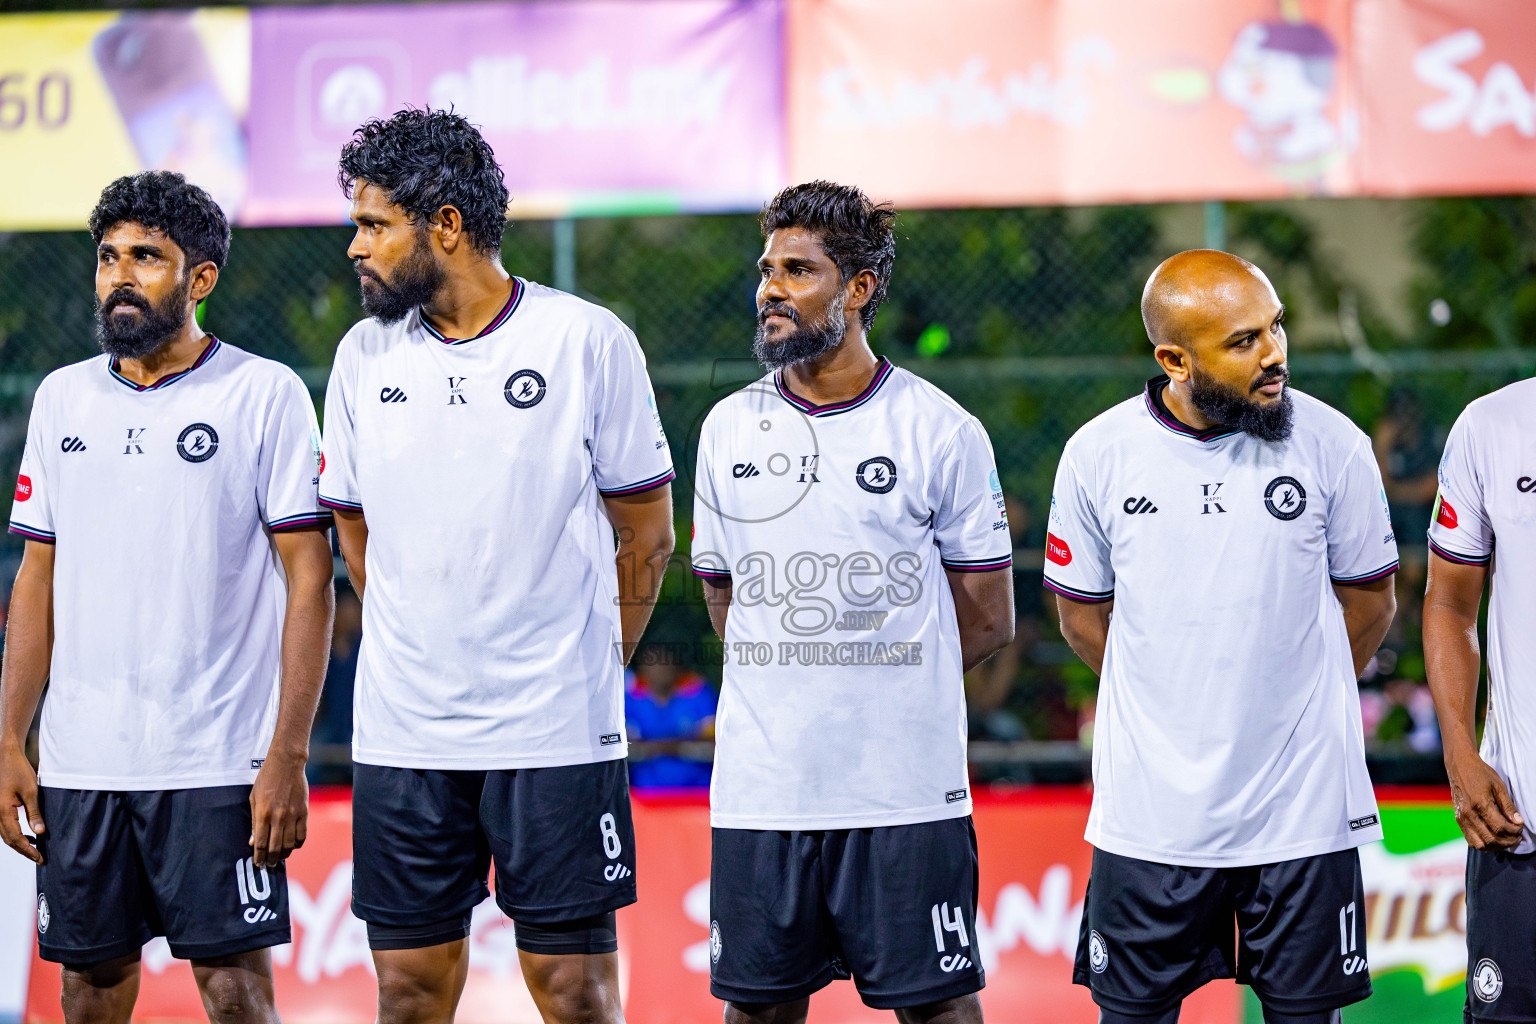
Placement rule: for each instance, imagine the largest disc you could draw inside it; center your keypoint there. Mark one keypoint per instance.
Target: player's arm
(984, 610)
(644, 524)
(280, 797)
(1484, 809)
(28, 652)
(352, 538)
(1085, 627)
(717, 598)
(1368, 611)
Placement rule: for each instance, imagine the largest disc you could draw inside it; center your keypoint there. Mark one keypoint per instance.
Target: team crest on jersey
(524, 389)
(197, 443)
(1285, 498)
(876, 475)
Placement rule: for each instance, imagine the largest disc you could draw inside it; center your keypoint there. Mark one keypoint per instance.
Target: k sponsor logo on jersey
(1210, 499)
(876, 475)
(524, 389)
(1285, 498)
(135, 445)
(456, 391)
(197, 443)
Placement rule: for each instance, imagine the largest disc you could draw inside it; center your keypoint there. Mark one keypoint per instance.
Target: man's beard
(129, 336)
(803, 344)
(1232, 408)
(417, 279)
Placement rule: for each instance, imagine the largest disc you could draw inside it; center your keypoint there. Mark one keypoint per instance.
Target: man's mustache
(124, 297)
(777, 309)
(1276, 374)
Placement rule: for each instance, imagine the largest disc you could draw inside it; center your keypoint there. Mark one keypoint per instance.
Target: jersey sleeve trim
(711, 573)
(344, 506)
(300, 521)
(1458, 558)
(978, 564)
(643, 485)
(1073, 594)
(33, 533)
(1365, 577)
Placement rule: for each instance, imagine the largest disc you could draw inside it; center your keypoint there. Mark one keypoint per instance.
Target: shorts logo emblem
(714, 942)
(957, 962)
(1487, 980)
(255, 886)
(1098, 952)
(197, 443)
(1285, 498)
(43, 914)
(524, 389)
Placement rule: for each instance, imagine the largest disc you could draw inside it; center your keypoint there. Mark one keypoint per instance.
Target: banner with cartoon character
(1041, 101)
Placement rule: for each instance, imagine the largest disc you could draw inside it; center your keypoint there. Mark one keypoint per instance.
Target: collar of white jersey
(513, 301)
(1160, 413)
(883, 370)
(164, 382)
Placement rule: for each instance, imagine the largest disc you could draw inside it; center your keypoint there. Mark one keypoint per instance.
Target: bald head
(1199, 293)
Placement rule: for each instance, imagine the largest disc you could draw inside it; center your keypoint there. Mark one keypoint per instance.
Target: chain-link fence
(1028, 317)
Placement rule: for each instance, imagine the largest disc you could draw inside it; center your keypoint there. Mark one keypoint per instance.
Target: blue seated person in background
(665, 702)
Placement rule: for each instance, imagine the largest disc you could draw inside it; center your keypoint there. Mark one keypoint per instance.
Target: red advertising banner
(1451, 102)
(1003, 102)
(1034, 866)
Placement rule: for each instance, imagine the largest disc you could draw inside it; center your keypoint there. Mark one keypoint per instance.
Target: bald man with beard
(1222, 556)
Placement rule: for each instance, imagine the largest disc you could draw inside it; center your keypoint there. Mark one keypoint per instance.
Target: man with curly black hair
(485, 438)
(175, 596)
(848, 521)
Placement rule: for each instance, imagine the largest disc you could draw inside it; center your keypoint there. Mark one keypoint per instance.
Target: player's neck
(1176, 399)
(839, 375)
(469, 300)
(180, 352)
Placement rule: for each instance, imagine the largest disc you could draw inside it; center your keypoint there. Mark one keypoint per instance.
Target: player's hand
(279, 810)
(1484, 809)
(18, 789)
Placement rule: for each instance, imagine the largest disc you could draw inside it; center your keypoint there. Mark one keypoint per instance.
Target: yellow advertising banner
(87, 97)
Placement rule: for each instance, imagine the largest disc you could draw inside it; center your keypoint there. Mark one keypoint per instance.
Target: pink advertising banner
(600, 105)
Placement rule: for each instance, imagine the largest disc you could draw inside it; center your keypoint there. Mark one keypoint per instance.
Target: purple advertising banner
(591, 106)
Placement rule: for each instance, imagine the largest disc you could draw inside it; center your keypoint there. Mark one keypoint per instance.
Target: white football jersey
(1228, 726)
(1486, 515)
(490, 617)
(168, 594)
(843, 704)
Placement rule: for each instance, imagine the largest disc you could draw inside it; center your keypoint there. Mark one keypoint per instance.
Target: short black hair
(167, 201)
(856, 233)
(425, 160)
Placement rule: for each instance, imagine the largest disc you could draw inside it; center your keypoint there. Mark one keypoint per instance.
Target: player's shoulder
(1496, 412)
(1316, 423)
(912, 394)
(749, 400)
(74, 378)
(236, 361)
(1114, 427)
(541, 302)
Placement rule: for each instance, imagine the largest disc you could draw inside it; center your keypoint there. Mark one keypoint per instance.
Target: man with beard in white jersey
(849, 528)
(485, 438)
(175, 597)
(1222, 556)
(1483, 535)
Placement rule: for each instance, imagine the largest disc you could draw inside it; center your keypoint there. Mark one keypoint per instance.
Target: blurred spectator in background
(665, 705)
(1408, 452)
(333, 722)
